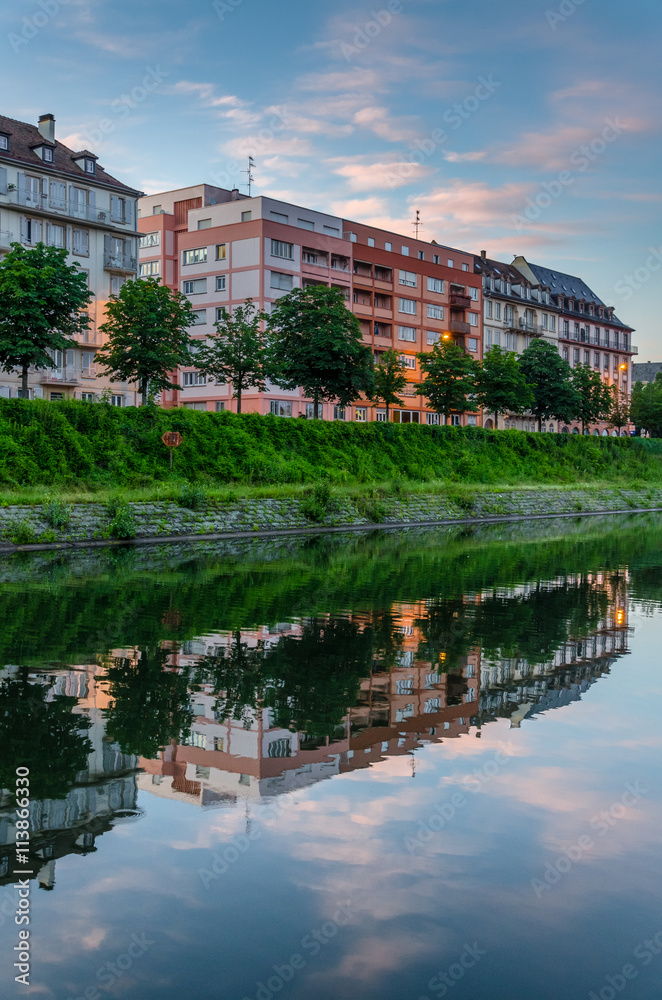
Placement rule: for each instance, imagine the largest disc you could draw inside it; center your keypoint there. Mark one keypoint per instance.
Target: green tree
(549, 378)
(390, 379)
(147, 329)
(594, 399)
(237, 353)
(502, 385)
(646, 406)
(619, 412)
(42, 303)
(316, 344)
(449, 379)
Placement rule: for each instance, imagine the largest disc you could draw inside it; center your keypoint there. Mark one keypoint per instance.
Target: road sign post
(172, 440)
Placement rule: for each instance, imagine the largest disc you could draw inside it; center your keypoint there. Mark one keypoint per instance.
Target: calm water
(399, 766)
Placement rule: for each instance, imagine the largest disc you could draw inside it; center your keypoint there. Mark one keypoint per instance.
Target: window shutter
(92, 202)
(128, 208)
(24, 229)
(21, 182)
(106, 243)
(36, 231)
(3, 180)
(49, 235)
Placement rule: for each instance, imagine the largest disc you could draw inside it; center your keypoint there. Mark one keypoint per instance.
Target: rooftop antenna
(417, 224)
(249, 172)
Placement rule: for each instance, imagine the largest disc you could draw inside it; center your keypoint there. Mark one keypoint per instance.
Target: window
(552, 323)
(151, 268)
(408, 361)
(434, 418)
(4, 141)
(473, 344)
(433, 337)
(199, 317)
(596, 359)
(193, 378)
(435, 285)
(54, 235)
(497, 310)
(450, 262)
(117, 208)
(455, 420)
(88, 397)
(47, 154)
(204, 223)
(149, 240)
(338, 412)
(407, 333)
(361, 414)
(435, 258)
(306, 224)
(280, 408)
(221, 251)
(408, 278)
(220, 282)
(565, 353)
(332, 230)
(421, 255)
(544, 321)
(280, 249)
(246, 216)
(371, 241)
(281, 281)
(407, 306)
(587, 357)
(473, 319)
(473, 293)
(380, 416)
(488, 308)
(435, 312)
(605, 363)
(197, 256)
(566, 328)
(279, 217)
(575, 356)
(383, 273)
(220, 314)
(196, 286)
(388, 246)
(220, 406)
(157, 210)
(114, 400)
(116, 282)
(405, 251)
(90, 165)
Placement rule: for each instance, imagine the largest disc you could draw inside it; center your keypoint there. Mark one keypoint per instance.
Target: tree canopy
(390, 379)
(449, 379)
(42, 304)
(237, 353)
(646, 406)
(501, 384)
(148, 340)
(594, 398)
(549, 377)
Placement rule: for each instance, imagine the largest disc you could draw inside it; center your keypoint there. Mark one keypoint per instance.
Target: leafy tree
(316, 344)
(646, 406)
(43, 735)
(42, 303)
(619, 413)
(390, 379)
(501, 385)
(237, 353)
(449, 379)
(147, 329)
(593, 395)
(549, 377)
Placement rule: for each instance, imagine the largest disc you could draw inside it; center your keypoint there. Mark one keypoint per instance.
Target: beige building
(54, 195)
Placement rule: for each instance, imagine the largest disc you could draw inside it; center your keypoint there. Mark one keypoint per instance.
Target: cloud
(378, 120)
(465, 157)
(380, 175)
(359, 208)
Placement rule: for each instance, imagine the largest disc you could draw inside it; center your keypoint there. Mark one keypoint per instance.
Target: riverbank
(59, 525)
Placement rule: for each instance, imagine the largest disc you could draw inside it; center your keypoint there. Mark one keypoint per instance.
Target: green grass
(82, 451)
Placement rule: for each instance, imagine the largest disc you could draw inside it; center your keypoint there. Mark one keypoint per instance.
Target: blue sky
(478, 114)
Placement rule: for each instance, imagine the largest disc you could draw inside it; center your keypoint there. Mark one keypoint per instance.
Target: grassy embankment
(89, 452)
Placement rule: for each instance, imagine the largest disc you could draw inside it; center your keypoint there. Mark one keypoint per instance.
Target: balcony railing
(64, 206)
(533, 329)
(456, 326)
(460, 301)
(6, 238)
(64, 376)
(119, 261)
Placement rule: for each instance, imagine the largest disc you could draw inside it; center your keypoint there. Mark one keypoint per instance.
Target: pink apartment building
(221, 248)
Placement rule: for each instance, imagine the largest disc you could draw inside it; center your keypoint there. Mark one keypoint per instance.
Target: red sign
(172, 439)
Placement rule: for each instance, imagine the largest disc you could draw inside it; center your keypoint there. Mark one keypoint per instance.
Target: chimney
(46, 127)
(234, 194)
(483, 254)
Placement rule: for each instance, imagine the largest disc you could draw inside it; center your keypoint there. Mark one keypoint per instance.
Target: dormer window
(4, 140)
(90, 167)
(86, 161)
(47, 154)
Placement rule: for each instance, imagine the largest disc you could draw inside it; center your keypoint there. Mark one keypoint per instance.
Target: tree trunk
(24, 383)
(144, 386)
(238, 399)
(316, 405)
(496, 421)
(388, 413)
(539, 425)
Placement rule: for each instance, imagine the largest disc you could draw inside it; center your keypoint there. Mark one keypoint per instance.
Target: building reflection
(311, 698)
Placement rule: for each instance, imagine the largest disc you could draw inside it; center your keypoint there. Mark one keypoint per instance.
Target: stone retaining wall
(27, 526)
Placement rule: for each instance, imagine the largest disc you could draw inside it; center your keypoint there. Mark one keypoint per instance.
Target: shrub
(23, 533)
(193, 495)
(56, 512)
(123, 524)
(318, 502)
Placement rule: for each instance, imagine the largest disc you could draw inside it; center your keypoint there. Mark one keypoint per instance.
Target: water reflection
(434, 649)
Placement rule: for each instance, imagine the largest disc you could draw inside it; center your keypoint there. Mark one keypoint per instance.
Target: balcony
(460, 301)
(532, 329)
(60, 376)
(6, 238)
(456, 326)
(339, 263)
(65, 207)
(119, 261)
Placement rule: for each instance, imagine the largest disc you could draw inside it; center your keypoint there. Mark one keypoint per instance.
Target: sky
(521, 127)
